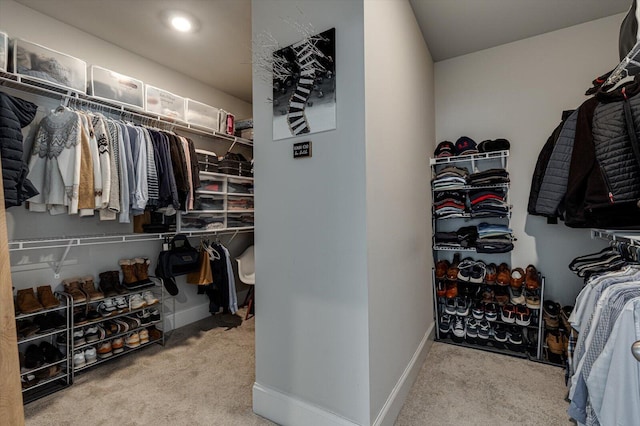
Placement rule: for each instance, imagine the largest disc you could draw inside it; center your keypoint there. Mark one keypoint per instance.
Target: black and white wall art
(304, 86)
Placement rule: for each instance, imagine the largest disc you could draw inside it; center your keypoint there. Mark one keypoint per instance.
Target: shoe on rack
(26, 301)
(27, 329)
(107, 284)
(90, 355)
(452, 289)
(445, 325)
(28, 380)
(56, 319)
(149, 298)
(517, 295)
(462, 306)
(491, 274)
(565, 313)
(93, 314)
(44, 322)
(508, 313)
(49, 372)
(487, 294)
(141, 268)
(89, 288)
(517, 278)
(555, 342)
(472, 327)
(501, 294)
(441, 288)
(459, 329)
(154, 314)
(61, 342)
(132, 340)
(452, 272)
(464, 269)
(78, 359)
(478, 272)
(532, 279)
(122, 325)
(491, 312)
(107, 308)
(117, 345)
(79, 316)
(484, 329)
(136, 301)
(132, 322)
(144, 336)
(523, 315)
(72, 287)
(441, 269)
(477, 310)
(154, 333)
(91, 334)
(78, 337)
(551, 314)
(500, 333)
(121, 304)
(50, 353)
(46, 297)
(33, 357)
(532, 298)
(129, 278)
(104, 350)
(503, 277)
(514, 339)
(144, 317)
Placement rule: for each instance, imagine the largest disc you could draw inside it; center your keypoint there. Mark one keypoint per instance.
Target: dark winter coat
(15, 113)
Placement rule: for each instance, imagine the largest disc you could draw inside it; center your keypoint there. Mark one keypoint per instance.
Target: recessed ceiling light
(180, 21)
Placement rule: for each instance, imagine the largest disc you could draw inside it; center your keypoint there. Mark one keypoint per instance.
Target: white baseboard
(288, 410)
(392, 406)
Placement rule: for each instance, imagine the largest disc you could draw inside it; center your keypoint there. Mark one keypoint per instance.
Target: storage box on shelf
(164, 103)
(44, 348)
(110, 85)
(36, 62)
(202, 115)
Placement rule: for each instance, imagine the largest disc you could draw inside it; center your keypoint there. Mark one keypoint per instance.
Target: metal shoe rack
(64, 378)
(532, 332)
(157, 289)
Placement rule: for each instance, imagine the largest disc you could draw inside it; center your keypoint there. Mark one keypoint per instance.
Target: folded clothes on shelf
(450, 177)
(489, 177)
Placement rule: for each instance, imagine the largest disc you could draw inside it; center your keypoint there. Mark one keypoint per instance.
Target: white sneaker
(78, 337)
(121, 303)
(107, 308)
(136, 301)
(91, 333)
(90, 355)
(78, 359)
(144, 336)
(149, 297)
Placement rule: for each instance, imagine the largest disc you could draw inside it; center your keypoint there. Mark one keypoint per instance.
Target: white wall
(312, 325)
(20, 21)
(518, 91)
(400, 123)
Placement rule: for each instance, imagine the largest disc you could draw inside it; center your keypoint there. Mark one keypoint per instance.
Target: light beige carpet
(467, 387)
(203, 376)
(205, 373)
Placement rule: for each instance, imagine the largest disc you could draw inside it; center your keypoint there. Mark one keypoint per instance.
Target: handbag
(203, 275)
(180, 259)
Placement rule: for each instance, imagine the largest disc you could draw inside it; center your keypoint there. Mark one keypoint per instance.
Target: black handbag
(180, 259)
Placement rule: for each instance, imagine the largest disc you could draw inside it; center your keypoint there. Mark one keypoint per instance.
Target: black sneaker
(445, 324)
(50, 353)
(33, 357)
(514, 339)
(478, 272)
(477, 310)
(459, 330)
(450, 306)
(58, 320)
(484, 330)
(500, 333)
(491, 312)
(508, 314)
(472, 328)
(44, 322)
(462, 307)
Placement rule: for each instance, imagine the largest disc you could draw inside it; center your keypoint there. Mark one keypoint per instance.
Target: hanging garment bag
(180, 259)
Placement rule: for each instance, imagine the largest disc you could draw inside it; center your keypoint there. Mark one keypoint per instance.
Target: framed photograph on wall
(304, 87)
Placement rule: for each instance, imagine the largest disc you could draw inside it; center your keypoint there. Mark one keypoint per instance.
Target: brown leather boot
(72, 287)
(107, 285)
(142, 270)
(46, 297)
(88, 286)
(27, 302)
(128, 272)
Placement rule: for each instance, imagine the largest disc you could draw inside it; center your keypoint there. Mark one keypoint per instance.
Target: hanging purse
(180, 259)
(203, 275)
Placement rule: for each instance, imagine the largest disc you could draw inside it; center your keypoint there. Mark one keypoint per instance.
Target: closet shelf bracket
(57, 266)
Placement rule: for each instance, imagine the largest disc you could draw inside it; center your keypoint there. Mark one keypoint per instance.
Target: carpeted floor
(205, 373)
(468, 387)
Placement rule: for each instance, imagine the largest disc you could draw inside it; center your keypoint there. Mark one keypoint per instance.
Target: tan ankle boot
(27, 302)
(128, 271)
(88, 286)
(142, 269)
(46, 297)
(72, 287)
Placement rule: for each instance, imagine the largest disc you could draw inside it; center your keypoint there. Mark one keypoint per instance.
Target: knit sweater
(55, 163)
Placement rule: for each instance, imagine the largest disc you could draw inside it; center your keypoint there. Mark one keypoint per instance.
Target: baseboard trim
(287, 410)
(398, 395)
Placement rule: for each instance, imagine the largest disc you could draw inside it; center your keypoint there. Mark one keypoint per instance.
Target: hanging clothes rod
(629, 237)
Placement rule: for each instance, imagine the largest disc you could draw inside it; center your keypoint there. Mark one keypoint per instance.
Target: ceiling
(219, 54)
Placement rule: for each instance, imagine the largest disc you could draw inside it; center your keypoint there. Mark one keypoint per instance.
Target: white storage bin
(110, 85)
(202, 115)
(41, 63)
(201, 221)
(4, 51)
(164, 103)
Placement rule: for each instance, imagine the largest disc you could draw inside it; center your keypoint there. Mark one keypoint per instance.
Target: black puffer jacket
(15, 113)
